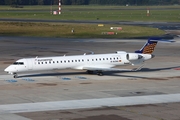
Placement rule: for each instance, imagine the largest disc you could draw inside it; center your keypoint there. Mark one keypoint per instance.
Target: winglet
(150, 45)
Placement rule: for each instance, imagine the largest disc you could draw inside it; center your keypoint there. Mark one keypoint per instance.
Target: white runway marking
(88, 103)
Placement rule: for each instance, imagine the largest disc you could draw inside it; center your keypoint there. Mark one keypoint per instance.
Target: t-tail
(150, 45)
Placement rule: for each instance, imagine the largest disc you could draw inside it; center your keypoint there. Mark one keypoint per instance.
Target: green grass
(79, 7)
(112, 13)
(96, 12)
(81, 30)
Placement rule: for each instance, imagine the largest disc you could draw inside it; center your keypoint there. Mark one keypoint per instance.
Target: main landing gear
(100, 73)
(15, 75)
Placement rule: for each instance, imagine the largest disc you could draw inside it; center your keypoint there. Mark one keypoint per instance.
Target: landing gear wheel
(100, 73)
(15, 75)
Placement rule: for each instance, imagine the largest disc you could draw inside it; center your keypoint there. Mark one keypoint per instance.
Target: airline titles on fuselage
(41, 60)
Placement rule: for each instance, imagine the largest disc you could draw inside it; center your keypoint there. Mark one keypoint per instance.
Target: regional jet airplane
(91, 62)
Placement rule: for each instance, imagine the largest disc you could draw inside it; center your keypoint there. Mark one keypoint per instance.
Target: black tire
(15, 75)
(100, 73)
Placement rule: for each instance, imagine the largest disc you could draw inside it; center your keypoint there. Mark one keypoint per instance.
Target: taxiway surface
(47, 90)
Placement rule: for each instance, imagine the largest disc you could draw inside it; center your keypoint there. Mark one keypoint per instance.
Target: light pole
(59, 7)
(51, 7)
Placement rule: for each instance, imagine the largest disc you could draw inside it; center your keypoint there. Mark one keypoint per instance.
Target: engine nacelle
(133, 56)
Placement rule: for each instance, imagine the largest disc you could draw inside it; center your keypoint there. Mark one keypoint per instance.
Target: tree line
(87, 2)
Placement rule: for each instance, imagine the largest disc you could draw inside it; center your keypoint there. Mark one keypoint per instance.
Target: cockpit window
(21, 63)
(18, 63)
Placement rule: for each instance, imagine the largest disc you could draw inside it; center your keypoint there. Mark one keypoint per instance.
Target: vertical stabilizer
(149, 46)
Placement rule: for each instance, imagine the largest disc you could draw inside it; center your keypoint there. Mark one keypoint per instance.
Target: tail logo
(150, 45)
(149, 48)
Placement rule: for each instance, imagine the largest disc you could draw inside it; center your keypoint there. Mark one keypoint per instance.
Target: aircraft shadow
(106, 73)
(142, 70)
(51, 74)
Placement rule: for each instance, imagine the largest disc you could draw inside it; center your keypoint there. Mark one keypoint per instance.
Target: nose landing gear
(15, 75)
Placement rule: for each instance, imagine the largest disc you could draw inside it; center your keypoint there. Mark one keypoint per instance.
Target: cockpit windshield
(18, 63)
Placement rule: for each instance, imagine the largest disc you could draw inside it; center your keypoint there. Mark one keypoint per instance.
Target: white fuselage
(76, 62)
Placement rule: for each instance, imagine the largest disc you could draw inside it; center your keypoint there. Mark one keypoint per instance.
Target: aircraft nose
(152, 56)
(7, 69)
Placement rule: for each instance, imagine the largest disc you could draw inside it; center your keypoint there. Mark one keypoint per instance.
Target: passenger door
(29, 64)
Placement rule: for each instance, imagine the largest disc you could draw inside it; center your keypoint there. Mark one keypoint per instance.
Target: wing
(110, 69)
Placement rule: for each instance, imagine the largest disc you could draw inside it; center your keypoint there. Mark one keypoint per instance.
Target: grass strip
(80, 30)
(97, 12)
